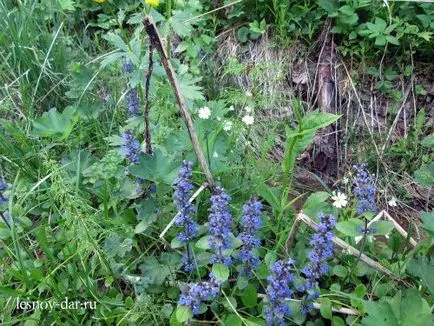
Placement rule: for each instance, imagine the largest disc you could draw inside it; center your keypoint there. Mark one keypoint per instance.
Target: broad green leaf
(232, 320)
(183, 314)
(428, 141)
(269, 194)
(114, 247)
(157, 167)
(67, 4)
(154, 270)
(315, 203)
(249, 296)
(221, 272)
(428, 221)
(54, 124)
(326, 308)
(316, 120)
(383, 227)
(203, 243)
(423, 268)
(425, 175)
(340, 271)
(176, 243)
(349, 228)
(329, 5)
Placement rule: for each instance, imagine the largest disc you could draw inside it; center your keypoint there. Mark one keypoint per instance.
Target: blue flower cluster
(278, 290)
(182, 194)
(3, 200)
(131, 147)
(133, 101)
(250, 223)
(219, 226)
(322, 244)
(364, 189)
(196, 293)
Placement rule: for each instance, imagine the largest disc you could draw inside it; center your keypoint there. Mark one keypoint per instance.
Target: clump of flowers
(250, 223)
(219, 226)
(3, 199)
(131, 147)
(133, 101)
(182, 194)
(322, 244)
(204, 113)
(364, 189)
(196, 293)
(278, 290)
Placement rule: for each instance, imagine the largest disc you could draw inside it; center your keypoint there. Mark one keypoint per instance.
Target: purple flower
(182, 194)
(133, 102)
(278, 290)
(131, 147)
(322, 244)
(3, 186)
(250, 223)
(364, 190)
(128, 67)
(196, 293)
(219, 226)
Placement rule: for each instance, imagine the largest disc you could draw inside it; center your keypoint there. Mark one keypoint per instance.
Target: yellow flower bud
(153, 3)
(99, 1)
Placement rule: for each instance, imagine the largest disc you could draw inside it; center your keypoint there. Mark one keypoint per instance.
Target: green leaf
(326, 308)
(425, 175)
(176, 243)
(221, 272)
(392, 39)
(203, 243)
(157, 167)
(316, 120)
(54, 124)
(315, 203)
(249, 296)
(423, 268)
(183, 314)
(154, 270)
(232, 320)
(116, 41)
(330, 6)
(428, 141)
(383, 227)
(428, 221)
(340, 271)
(349, 228)
(114, 247)
(67, 4)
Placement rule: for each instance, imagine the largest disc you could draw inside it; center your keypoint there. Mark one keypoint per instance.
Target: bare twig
(197, 193)
(151, 30)
(147, 105)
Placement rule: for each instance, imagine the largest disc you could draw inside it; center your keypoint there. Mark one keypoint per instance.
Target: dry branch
(151, 30)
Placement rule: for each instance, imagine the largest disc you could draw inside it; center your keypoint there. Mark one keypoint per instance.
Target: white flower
(231, 108)
(248, 93)
(248, 109)
(248, 119)
(204, 113)
(227, 125)
(392, 202)
(339, 199)
(345, 180)
(215, 154)
(219, 119)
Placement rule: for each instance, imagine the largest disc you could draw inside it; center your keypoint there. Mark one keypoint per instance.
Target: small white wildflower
(248, 109)
(204, 113)
(219, 119)
(248, 93)
(339, 199)
(231, 108)
(392, 202)
(248, 119)
(345, 180)
(227, 125)
(215, 154)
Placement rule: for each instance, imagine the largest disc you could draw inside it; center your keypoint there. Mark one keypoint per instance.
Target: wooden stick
(351, 250)
(151, 30)
(168, 226)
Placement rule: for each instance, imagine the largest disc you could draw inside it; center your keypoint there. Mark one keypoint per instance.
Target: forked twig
(197, 193)
(151, 30)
